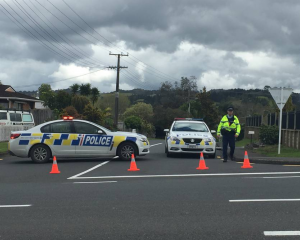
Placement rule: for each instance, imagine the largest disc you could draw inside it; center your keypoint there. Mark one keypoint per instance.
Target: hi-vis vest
(225, 124)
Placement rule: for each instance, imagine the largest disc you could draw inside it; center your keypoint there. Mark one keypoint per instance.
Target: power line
(30, 32)
(138, 60)
(65, 79)
(72, 54)
(59, 34)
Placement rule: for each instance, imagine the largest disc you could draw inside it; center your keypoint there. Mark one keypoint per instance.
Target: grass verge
(272, 151)
(242, 143)
(3, 147)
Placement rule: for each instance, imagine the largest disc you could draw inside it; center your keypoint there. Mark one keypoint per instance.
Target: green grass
(242, 143)
(3, 147)
(272, 151)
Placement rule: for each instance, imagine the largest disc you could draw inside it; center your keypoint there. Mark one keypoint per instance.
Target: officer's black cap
(230, 109)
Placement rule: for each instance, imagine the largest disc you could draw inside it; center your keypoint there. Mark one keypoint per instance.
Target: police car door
(59, 137)
(92, 143)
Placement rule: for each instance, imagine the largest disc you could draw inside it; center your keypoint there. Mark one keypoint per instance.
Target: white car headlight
(208, 139)
(173, 138)
(143, 139)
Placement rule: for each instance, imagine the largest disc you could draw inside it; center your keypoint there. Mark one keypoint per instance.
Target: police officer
(230, 128)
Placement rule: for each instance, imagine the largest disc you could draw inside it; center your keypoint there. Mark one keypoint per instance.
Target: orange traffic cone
(54, 166)
(246, 161)
(133, 164)
(202, 165)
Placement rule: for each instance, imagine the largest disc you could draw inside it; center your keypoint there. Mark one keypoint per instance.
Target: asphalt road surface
(167, 199)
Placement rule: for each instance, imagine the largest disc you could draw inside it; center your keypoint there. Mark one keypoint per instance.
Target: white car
(75, 138)
(16, 117)
(190, 136)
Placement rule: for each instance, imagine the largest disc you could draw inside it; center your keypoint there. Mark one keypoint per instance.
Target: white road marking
(276, 177)
(115, 157)
(155, 144)
(183, 175)
(1, 159)
(266, 200)
(89, 170)
(98, 182)
(10, 206)
(282, 233)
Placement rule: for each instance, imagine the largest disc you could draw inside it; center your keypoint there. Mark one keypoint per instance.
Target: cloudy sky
(224, 44)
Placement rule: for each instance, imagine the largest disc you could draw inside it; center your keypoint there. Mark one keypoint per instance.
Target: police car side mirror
(100, 131)
(166, 130)
(213, 131)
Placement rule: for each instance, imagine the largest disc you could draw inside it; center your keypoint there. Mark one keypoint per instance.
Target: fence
(290, 120)
(5, 131)
(42, 115)
(290, 126)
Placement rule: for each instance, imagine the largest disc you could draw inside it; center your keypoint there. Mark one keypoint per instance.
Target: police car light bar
(68, 118)
(188, 119)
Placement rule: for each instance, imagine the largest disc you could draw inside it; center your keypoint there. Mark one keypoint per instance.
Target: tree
(106, 118)
(0, 82)
(79, 102)
(95, 95)
(107, 100)
(70, 111)
(163, 121)
(142, 110)
(62, 100)
(74, 88)
(266, 88)
(289, 106)
(92, 113)
(208, 109)
(85, 89)
(133, 122)
(47, 95)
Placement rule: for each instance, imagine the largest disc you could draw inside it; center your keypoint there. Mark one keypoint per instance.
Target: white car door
(92, 143)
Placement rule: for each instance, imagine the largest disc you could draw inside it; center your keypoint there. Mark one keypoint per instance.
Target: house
(10, 98)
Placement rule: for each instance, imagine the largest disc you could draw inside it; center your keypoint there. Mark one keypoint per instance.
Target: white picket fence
(6, 130)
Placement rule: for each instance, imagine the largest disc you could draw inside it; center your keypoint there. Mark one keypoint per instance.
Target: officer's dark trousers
(228, 139)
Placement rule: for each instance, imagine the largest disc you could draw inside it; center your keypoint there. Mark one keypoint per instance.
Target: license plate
(192, 146)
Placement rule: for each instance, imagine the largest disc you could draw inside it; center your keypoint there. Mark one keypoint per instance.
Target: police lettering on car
(92, 140)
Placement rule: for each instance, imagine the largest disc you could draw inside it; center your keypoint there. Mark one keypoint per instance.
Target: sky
(224, 44)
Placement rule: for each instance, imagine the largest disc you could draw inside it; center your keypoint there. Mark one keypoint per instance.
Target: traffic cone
(202, 165)
(133, 164)
(246, 161)
(54, 166)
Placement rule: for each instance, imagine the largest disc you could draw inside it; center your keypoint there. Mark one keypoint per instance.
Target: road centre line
(265, 200)
(91, 169)
(155, 144)
(282, 233)
(98, 182)
(180, 175)
(10, 206)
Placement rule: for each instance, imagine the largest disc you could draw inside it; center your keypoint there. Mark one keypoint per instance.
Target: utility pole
(117, 84)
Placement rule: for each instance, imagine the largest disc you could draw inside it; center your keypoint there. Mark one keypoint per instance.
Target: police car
(75, 138)
(189, 135)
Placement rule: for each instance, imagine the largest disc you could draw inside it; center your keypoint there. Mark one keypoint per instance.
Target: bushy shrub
(269, 134)
(133, 122)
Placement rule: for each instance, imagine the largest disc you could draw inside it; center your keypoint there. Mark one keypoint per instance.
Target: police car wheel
(126, 149)
(40, 154)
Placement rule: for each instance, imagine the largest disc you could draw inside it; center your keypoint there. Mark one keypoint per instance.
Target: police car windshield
(189, 127)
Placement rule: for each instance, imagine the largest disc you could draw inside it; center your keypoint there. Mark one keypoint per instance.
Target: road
(167, 199)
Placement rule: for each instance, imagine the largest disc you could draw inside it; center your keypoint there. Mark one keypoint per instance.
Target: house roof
(13, 94)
